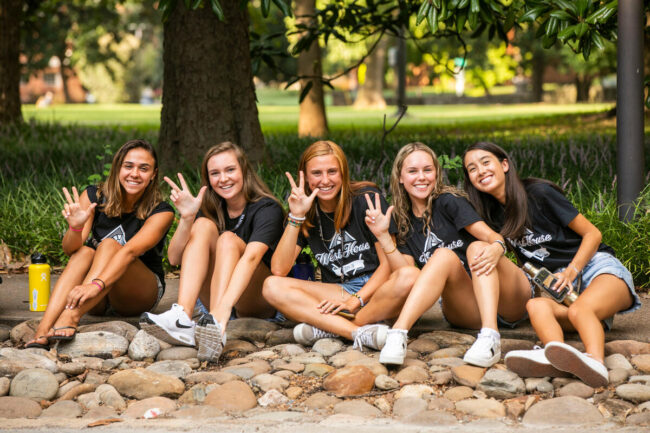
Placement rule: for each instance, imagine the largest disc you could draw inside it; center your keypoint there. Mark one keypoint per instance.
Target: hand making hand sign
(186, 204)
(74, 214)
(377, 221)
(299, 201)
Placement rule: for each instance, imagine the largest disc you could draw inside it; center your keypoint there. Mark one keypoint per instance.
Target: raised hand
(74, 214)
(377, 222)
(186, 204)
(299, 201)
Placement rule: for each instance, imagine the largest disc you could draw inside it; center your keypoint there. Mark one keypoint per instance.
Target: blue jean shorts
(355, 284)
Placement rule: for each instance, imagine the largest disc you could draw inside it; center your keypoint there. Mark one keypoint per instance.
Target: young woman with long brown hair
(224, 243)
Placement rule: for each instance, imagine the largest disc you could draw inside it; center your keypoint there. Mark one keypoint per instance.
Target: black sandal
(64, 337)
(34, 345)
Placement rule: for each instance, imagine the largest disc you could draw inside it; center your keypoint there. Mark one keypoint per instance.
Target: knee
(474, 249)
(444, 255)
(108, 244)
(576, 310)
(228, 241)
(271, 289)
(536, 306)
(404, 279)
(203, 229)
(83, 253)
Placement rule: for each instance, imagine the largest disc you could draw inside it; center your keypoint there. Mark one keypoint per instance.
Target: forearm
(285, 253)
(72, 241)
(116, 267)
(588, 247)
(394, 257)
(378, 277)
(179, 241)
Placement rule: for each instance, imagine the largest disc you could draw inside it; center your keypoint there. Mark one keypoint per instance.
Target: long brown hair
(401, 200)
(348, 188)
(113, 192)
(253, 187)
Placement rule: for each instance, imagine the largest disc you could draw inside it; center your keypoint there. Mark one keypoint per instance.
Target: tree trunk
(312, 120)
(208, 90)
(583, 84)
(537, 79)
(370, 93)
(10, 17)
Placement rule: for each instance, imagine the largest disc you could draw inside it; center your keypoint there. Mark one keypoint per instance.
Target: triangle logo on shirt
(117, 234)
(340, 238)
(432, 241)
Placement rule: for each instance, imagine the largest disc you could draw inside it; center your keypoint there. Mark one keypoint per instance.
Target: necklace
(327, 243)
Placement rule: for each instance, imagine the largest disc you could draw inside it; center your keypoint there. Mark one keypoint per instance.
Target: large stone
(89, 400)
(280, 336)
(77, 390)
(617, 360)
(409, 406)
(272, 398)
(117, 327)
(63, 409)
(98, 344)
(385, 382)
(467, 375)
(501, 384)
(447, 362)
(4, 386)
(638, 419)
(618, 376)
(341, 359)
(19, 407)
(178, 369)
(320, 400)
(563, 410)
(250, 329)
(197, 412)
(72, 368)
(219, 377)
(440, 403)
(328, 346)
(289, 350)
(176, 353)
(641, 363)
(432, 418)
(294, 367)
(458, 393)
(357, 408)
(626, 348)
(411, 374)
(418, 391)
(143, 346)
(23, 332)
(317, 370)
(635, 392)
(483, 408)
(140, 383)
(423, 345)
(449, 352)
(449, 338)
(99, 413)
(162, 405)
(355, 380)
(232, 396)
(35, 383)
(309, 358)
(108, 396)
(266, 355)
(197, 393)
(12, 361)
(373, 364)
(241, 347)
(577, 389)
(5, 331)
(267, 382)
(249, 369)
(509, 344)
(441, 377)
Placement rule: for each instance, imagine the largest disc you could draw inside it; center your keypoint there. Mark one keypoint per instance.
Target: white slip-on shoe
(566, 358)
(394, 351)
(485, 352)
(173, 326)
(373, 336)
(531, 363)
(307, 335)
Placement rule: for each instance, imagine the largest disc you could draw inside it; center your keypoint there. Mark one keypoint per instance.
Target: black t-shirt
(350, 253)
(549, 242)
(123, 228)
(449, 217)
(261, 221)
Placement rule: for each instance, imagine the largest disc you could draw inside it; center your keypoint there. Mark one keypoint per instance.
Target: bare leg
(548, 319)
(387, 301)
(72, 276)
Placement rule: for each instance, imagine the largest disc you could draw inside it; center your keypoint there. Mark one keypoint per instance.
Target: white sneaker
(485, 352)
(582, 365)
(373, 336)
(209, 338)
(307, 335)
(173, 326)
(531, 363)
(394, 350)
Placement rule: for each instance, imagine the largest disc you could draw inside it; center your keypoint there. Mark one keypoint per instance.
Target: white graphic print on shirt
(528, 240)
(117, 234)
(342, 246)
(434, 242)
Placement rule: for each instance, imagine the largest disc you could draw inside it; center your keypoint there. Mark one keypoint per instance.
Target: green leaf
(567, 33)
(433, 20)
(548, 40)
(305, 91)
(475, 7)
(582, 5)
(586, 47)
(217, 9)
(167, 7)
(561, 15)
(436, 3)
(422, 12)
(551, 26)
(195, 5)
(533, 14)
(581, 29)
(266, 6)
(461, 19)
(567, 6)
(284, 6)
(597, 41)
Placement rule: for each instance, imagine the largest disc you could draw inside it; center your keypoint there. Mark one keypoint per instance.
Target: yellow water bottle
(39, 283)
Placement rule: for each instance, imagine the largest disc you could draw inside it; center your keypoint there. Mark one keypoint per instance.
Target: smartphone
(346, 314)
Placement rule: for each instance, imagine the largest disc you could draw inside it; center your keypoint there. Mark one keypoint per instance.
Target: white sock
(491, 332)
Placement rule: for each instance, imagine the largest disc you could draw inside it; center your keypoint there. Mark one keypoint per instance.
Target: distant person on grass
(461, 258)
(329, 213)
(224, 242)
(115, 239)
(544, 228)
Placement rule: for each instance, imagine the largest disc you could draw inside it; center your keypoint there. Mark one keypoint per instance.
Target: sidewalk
(14, 309)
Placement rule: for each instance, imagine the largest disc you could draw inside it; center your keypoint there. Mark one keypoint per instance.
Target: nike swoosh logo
(180, 325)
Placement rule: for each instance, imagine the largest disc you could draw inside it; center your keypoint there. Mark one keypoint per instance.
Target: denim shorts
(355, 284)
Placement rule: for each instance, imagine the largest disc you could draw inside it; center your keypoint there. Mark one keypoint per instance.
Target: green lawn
(286, 117)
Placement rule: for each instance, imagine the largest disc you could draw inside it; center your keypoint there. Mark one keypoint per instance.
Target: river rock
(411, 374)
(458, 393)
(108, 396)
(23, 332)
(509, 344)
(293, 392)
(316, 370)
(341, 359)
(617, 360)
(423, 345)
(266, 355)
(440, 403)
(309, 358)
(178, 369)
(272, 398)
(467, 375)
(501, 384)
(355, 380)
(432, 418)
(385, 382)
(357, 408)
(63, 389)
(409, 406)
(89, 400)
(320, 400)
(197, 393)
(635, 392)
(63, 409)
(177, 353)
(4, 386)
(267, 382)
(232, 396)
(35, 383)
(250, 329)
(19, 407)
(249, 369)
(240, 346)
(5, 331)
(138, 409)
(417, 391)
(372, 364)
(484, 408)
(280, 336)
(117, 327)
(328, 346)
(99, 344)
(449, 352)
(143, 346)
(289, 350)
(638, 419)
(641, 363)
(449, 338)
(100, 412)
(441, 377)
(577, 389)
(447, 362)
(197, 412)
(140, 383)
(12, 361)
(219, 377)
(626, 348)
(562, 410)
(618, 376)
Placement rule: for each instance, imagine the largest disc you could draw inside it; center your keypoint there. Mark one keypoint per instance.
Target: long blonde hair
(113, 192)
(348, 188)
(253, 189)
(401, 200)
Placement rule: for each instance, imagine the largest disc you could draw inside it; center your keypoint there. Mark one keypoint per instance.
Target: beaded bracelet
(356, 295)
(294, 223)
(503, 245)
(75, 230)
(293, 217)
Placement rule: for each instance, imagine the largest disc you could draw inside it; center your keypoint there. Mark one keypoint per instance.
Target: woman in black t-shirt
(120, 265)
(438, 232)
(327, 213)
(544, 228)
(225, 239)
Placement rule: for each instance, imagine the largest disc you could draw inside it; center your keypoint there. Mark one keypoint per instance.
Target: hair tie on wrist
(356, 295)
(293, 217)
(503, 245)
(96, 282)
(75, 229)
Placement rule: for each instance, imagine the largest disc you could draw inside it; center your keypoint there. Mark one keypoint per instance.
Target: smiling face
(323, 172)
(487, 173)
(225, 175)
(137, 171)
(418, 177)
